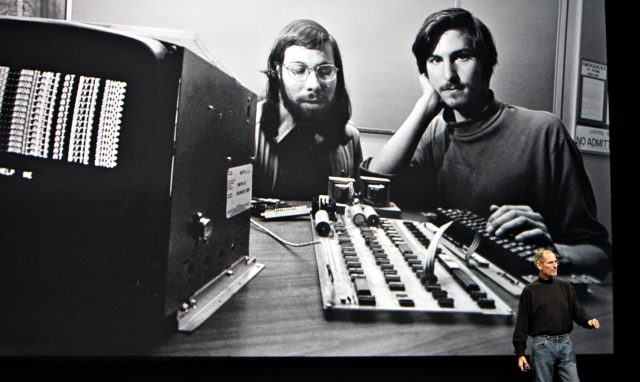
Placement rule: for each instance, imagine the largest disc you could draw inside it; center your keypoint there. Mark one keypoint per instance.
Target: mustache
(314, 97)
(451, 87)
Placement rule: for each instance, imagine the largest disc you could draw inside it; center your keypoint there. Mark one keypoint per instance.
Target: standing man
(461, 148)
(547, 309)
(303, 134)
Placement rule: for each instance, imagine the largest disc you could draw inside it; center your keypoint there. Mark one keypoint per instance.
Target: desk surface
(279, 313)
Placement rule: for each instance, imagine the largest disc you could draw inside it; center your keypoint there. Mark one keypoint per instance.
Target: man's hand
(594, 323)
(399, 149)
(428, 91)
(522, 221)
(523, 365)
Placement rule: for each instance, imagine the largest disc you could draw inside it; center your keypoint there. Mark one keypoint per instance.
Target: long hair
(455, 18)
(311, 35)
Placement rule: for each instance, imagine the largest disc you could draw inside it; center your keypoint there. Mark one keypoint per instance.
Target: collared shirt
(296, 164)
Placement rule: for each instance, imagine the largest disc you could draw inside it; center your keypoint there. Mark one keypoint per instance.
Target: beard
(309, 117)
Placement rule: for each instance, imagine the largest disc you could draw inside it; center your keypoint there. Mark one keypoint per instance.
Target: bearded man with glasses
(303, 133)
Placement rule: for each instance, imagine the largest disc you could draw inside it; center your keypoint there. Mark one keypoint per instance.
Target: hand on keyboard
(522, 222)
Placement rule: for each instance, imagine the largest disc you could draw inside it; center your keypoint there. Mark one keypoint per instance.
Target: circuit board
(386, 268)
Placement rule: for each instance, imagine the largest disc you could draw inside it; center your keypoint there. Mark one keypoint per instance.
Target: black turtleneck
(507, 155)
(547, 307)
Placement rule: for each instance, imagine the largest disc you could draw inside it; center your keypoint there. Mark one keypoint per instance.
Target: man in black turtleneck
(462, 148)
(547, 310)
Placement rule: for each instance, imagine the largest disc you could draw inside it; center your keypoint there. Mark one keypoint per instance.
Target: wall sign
(592, 130)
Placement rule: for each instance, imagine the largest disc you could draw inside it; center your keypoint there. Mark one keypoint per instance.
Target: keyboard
(509, 254)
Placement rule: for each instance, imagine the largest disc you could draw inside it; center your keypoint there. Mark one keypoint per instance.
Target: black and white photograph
(418, 183)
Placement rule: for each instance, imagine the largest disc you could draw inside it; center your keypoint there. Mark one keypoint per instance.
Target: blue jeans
(553, 351)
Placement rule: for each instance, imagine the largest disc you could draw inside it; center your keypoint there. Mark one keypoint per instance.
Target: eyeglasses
(324, 72)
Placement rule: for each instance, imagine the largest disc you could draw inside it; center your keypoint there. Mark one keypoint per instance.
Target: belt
(557, 337)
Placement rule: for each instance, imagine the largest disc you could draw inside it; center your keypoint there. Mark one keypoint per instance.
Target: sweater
(507, 155)
(547, 307)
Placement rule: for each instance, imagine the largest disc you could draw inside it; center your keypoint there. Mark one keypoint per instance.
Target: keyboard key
(446, 302)
(486, 303)
(362, 287)
(366, 300)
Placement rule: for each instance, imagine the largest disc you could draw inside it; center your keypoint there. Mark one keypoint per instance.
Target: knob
(203, 226)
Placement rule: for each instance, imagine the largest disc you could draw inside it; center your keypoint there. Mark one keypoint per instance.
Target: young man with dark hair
(461, 148)
(303, 133)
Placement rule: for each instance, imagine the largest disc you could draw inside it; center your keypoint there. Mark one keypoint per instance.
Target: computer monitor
(125, 181)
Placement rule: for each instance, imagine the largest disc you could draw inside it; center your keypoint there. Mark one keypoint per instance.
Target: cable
(472, 247)
(431, 252)
(278, 238)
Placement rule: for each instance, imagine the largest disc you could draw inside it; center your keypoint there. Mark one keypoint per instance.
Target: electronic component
(324, 202)
(381, 269)
(376, 191)
(322, 223)
(371, 216)
(125, 180)
(341, 190)
(356, 214)
(285, 212)
(260, 205)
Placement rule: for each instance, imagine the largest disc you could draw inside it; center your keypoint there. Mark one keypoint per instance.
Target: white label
(592, 99)
(239, 189)
(594, 70)
(592, 139)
